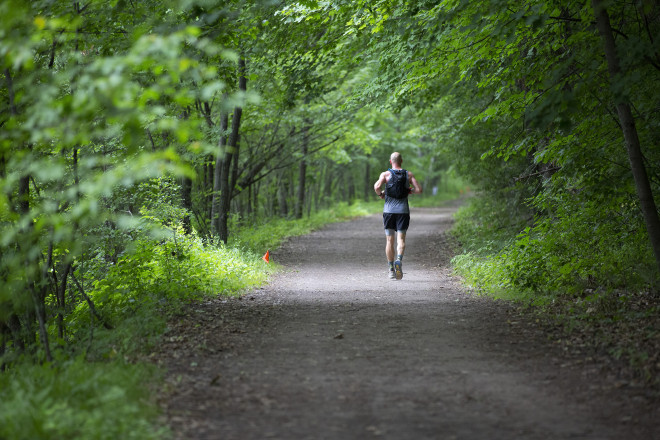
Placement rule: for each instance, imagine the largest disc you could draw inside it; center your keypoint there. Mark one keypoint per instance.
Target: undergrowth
(588, 275)
(565, 254)
(78, 399)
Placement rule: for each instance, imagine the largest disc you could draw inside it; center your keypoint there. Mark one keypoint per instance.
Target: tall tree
(627, 123)
(231, 154)
(218, 173)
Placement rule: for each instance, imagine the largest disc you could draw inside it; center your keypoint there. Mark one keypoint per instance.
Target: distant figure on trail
(399, 183)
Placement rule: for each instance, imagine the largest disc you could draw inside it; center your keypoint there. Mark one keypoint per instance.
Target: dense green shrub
(584, 244)
(78, 399)
(161, 274)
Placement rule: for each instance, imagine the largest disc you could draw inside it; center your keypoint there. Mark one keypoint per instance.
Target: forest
(151, 151)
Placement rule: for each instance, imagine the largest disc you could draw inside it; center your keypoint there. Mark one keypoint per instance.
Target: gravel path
(333, 349)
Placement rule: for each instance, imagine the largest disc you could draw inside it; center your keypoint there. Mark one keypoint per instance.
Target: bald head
(396, 159)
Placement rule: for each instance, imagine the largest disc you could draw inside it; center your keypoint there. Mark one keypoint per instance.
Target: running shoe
(392, 275)
(398, 270)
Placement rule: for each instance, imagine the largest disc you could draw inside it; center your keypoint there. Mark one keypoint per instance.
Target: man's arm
(415, 187)
(379, 183)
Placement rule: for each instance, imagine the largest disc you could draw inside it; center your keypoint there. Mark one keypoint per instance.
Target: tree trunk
(328, 187)
(24, 195)
(642, 184)
(231, 151)
(3, 166)
(217, 173)
(320, 197)
(253, 196)
(302, 173)
(39, 296)
(368, 184)
(317, 192)
(4, 337)
(282, 192)
(209, 170)
(310, 191)
(20, 338)
(430, 179)
(350, 184)
(234, 172)
(186, 199)
(61, 299)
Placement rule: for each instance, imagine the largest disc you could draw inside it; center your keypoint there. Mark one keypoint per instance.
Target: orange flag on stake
(266, 257)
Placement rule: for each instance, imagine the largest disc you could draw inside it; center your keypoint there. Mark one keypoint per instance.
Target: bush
(577, 248)
(78, 399)
(157, 276)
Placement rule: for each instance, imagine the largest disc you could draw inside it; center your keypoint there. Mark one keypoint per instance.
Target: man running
(399, 183)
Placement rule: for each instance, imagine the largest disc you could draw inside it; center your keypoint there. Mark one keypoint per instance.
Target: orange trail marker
(266, 257)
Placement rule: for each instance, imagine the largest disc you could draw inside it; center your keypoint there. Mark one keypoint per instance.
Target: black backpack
(397, 186)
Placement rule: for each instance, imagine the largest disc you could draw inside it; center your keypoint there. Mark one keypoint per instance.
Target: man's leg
(389, 251)
(401, 247)
(389, 247)
(401, 244)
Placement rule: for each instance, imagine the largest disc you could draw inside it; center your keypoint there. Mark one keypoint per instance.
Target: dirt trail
(333, 349)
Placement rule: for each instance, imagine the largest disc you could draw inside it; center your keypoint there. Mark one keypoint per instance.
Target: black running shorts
(398, 222)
